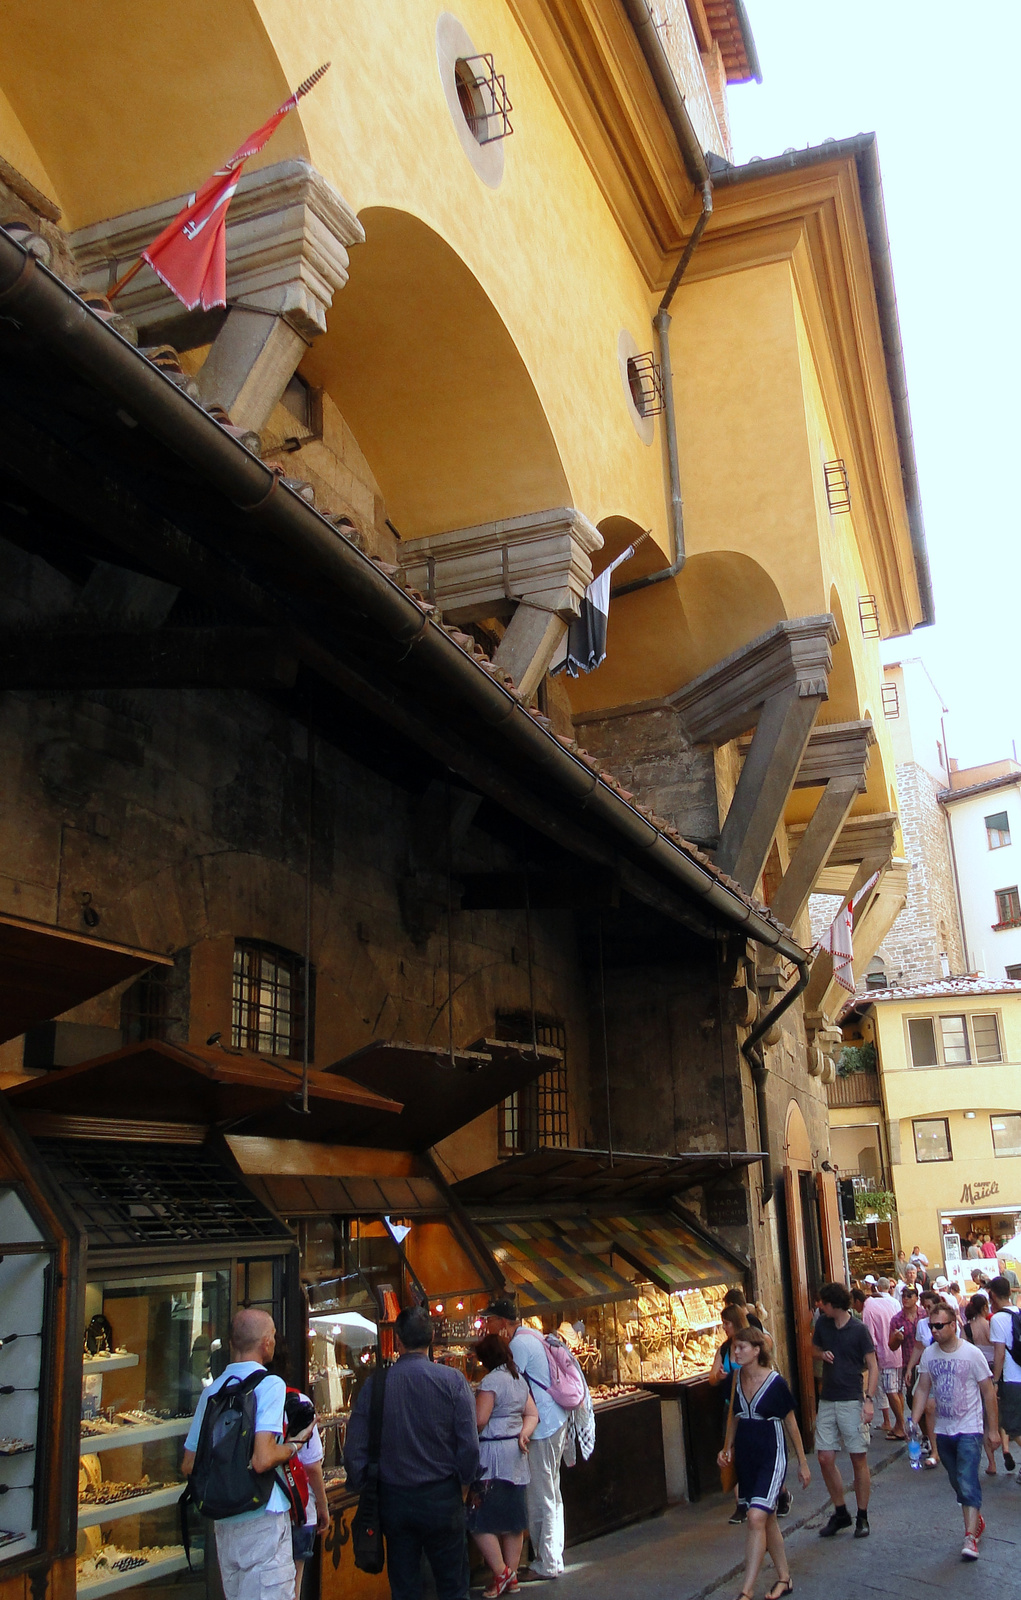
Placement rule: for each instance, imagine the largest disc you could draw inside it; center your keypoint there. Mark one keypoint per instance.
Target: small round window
(469, 98)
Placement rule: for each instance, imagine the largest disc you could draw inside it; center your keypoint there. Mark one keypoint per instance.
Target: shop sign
(726, 1208)
(973, 1193)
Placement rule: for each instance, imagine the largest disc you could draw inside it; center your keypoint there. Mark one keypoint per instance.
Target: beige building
(939, 1122)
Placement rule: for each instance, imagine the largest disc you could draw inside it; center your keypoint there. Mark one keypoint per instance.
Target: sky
(933, 80)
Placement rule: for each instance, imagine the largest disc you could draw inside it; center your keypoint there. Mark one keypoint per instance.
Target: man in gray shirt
(429, 1454)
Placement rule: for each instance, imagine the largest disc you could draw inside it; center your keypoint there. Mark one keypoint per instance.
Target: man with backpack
(545, 1452)
(231, 1456)
(1005, 1333)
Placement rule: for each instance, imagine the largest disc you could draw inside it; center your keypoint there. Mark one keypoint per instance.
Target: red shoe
(969, 1550)
(980, 1530)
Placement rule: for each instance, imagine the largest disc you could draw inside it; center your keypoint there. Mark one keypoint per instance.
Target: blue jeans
(961, 1453)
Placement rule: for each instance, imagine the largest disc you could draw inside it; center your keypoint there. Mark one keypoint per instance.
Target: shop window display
(26, 1268)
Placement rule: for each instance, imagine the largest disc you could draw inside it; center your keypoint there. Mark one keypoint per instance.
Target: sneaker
(841, 1518)
(740, 1515)
(969, 1549)
(784, 1502)
(1008, 1461)
(861, 1525)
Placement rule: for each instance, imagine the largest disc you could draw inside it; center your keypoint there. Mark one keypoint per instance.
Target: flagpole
(302, 89)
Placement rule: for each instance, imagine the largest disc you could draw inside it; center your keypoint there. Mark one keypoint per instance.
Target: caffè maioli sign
(974, 1193)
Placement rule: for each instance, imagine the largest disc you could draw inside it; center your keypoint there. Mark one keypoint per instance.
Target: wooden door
(832, 1226)
(802, 1307)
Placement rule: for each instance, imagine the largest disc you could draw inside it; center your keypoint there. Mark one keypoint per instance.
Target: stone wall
(929, 926)
(648, 752)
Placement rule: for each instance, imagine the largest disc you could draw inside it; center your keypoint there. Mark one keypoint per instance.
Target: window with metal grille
(645, 380)
(482, 96)
(891, 701)
(868, 614)
(127, 1194)
(838, 487)
(269, 1000)
(535, 1117)
(997, 830)
(147, 1008)
(1008, 907)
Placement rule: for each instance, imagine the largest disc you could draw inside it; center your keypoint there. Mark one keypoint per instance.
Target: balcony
(857, 1089)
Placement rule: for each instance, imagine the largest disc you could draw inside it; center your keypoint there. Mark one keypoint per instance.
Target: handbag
(728, 1474)
(366, 1534)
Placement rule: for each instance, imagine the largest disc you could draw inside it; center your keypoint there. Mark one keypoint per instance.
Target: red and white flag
(190, 255)
(837, 940)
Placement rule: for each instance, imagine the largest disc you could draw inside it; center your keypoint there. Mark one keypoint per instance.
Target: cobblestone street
(691, 1552)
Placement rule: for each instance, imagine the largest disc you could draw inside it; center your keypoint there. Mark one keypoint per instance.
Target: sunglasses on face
(936, 1326)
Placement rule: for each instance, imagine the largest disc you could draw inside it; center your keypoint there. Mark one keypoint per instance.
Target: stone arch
(797, 1144)
(184, 83)
(432, 384)
(843, 703)
(660, 638)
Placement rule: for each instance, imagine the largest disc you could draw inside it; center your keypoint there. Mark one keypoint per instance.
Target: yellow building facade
(944, 1113)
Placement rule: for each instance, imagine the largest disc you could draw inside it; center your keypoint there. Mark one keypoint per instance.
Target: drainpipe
(694, 159)
(752, 1052)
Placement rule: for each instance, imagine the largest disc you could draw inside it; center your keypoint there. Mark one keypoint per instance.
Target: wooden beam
(813, 851)
(57, 658)
(765, 784)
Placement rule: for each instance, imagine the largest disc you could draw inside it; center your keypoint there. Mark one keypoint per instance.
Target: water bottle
(914, 1445)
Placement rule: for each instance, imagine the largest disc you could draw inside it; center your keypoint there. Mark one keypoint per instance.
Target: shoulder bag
(728, 1474)
(366, 1534)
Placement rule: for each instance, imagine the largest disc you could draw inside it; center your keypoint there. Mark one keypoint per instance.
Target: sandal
(930, 1461)
(499, 1585)
(781, 1587)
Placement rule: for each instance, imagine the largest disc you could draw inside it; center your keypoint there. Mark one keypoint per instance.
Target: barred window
(269, 1000)
(148, 1008)
(535, 1117)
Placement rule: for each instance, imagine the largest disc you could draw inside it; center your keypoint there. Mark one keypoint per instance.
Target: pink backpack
(567, 1384)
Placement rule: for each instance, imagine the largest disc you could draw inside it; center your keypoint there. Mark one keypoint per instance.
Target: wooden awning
(218, 1086)
(570, 1176)
(440, 1094)
(44, 971)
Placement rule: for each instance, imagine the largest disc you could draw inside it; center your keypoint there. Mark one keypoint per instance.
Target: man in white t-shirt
(957, 1376)
(1006, 1371)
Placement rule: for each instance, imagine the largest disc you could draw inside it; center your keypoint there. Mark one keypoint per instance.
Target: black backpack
(1015, 1335)
(222, 1483)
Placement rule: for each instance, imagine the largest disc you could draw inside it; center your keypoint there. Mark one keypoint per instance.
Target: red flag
(190, 255)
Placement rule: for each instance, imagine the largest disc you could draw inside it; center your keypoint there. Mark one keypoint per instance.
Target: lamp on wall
(970, 1115)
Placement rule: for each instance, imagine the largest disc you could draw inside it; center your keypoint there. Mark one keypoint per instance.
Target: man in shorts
(848, 1356)
(958, 1376)
(878, 1315)
(1006, 1371)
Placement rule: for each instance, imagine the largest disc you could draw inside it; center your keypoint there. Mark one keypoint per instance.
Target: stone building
(283, 583)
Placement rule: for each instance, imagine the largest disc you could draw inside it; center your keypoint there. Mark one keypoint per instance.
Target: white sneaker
(969, 1550)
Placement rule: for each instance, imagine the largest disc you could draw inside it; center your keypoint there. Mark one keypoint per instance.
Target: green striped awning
(547, 1263)
(666, 1252)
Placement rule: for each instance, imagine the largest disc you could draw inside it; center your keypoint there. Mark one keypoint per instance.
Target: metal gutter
(752, 1053)
(658, 63)
(865, 151)
(309, 557)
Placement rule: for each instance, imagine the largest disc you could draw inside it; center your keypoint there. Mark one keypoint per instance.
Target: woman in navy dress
(763, 1408)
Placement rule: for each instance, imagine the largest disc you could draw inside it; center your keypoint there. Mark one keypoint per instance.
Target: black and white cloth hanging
(584, 644)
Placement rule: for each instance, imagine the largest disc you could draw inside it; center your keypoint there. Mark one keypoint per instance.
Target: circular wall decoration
(467, 107)
(627, 349)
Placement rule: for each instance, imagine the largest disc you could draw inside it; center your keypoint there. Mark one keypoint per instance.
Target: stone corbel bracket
(533, 569)
(288, 235)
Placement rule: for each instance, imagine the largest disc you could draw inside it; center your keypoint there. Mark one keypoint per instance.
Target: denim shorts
(303, 1541)
(961, 1453)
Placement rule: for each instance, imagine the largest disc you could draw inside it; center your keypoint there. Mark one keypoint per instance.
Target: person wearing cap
(871, 1284)
(545, 1503)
